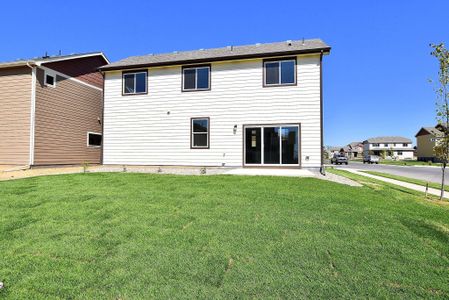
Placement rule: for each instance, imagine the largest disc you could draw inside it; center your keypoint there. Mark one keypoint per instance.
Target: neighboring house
(393, 147)
(354, 149)
(254, 105)
(51, 110)
(332, 150)
(426, 140)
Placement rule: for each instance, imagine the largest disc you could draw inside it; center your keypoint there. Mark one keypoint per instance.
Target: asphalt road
(431, 174)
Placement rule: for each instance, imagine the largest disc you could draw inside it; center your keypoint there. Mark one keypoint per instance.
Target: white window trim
(135, 83)
(196, 78)
(202, 132)
(49, 73)
(279, 71)
(87, 140)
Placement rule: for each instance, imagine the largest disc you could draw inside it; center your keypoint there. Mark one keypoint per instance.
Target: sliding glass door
(271, 145)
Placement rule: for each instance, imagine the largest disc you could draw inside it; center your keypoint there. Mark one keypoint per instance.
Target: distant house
(354, 149)
(51, 110)
(392, 146)
(426, 139)
(331, 150)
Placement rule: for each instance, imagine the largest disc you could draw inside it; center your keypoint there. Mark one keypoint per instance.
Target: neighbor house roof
(48, 59)
(225, 53)
(355, 144)
(429, 130)
(387, 139)
(335, 148)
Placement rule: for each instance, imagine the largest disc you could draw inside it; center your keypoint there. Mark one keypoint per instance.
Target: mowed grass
(409, 180)
(140, 236)
(407, 162)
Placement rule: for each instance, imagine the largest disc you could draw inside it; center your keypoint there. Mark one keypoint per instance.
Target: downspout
(102, 121)
(32, 113)
(322, 169)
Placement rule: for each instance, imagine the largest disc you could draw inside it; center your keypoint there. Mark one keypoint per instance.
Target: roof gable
(50, 59)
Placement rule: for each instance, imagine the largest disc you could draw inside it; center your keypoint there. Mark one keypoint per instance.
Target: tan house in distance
(354, 150)
(51, 110)
(426, 139)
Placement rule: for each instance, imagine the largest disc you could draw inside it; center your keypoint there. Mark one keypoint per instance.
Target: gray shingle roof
(433, 131)
(354, 144)
(225, 53)
(388, 139)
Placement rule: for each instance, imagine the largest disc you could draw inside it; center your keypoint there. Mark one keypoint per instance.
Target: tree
(442, 107)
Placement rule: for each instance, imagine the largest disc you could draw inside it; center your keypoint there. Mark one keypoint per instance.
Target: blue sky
(375, 80)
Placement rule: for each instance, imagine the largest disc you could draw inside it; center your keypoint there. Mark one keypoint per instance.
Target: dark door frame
(292, 166)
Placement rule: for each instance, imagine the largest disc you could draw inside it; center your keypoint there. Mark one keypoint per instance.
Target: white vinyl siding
(154, 129)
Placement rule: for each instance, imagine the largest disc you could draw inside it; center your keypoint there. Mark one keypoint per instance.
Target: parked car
(339, 159)
(371, 159)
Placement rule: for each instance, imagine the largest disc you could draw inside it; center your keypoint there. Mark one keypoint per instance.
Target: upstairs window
(50, 79)
(280, 72)
(385, 145)
(135, 83)
(376, 145)
(200, 133)
(404, 145)
(94, 139)
(196, 78)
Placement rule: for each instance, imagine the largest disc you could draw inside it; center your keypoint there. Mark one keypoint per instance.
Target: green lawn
(140, 236)
(407, 179)
(407, 163)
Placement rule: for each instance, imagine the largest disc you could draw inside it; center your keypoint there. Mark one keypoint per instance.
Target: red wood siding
(84, 69)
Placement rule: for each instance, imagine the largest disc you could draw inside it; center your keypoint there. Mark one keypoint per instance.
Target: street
(431, 174)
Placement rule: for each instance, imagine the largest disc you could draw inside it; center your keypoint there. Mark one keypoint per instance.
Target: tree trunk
(442, 180)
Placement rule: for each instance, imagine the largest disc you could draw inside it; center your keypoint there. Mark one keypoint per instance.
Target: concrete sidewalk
(411, 186)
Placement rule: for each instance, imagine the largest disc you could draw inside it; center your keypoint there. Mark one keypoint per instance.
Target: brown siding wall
(84, 69)
(64, 115)
(15, 110)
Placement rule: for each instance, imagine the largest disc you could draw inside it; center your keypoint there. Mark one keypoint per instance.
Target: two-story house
(354, 149)
(51, 110)
(426, 140)
(255, 105)
(392, 146)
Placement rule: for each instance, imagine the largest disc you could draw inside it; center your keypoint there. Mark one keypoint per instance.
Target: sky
(375, 81)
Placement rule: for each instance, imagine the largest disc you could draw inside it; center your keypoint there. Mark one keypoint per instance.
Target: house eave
(323, 51)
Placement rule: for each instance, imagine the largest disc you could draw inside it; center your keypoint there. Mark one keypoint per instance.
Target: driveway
(431, 174)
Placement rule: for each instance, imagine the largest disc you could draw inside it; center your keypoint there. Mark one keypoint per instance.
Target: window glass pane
(203, 78)
(253, 146)
(200, 139)
(288, 71)
(129, 83)
(200, 125)
(95, 139)
(141, 83)
(289, 145)
(49, 80)
(189, 79)
(271, 152)
(272, 73)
